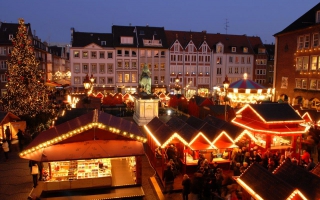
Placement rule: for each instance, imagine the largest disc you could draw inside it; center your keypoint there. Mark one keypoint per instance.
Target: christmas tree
(26, 93)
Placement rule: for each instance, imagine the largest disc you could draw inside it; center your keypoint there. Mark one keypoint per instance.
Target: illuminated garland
(81, 130)
(26, 92)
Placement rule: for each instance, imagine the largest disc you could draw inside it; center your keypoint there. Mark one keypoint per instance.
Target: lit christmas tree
(26, 92)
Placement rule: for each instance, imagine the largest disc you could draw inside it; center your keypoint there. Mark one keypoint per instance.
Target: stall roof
(246, 84)
(258, 181)
(87, 150)
(316, 169)
(307, 182)
(93, 125)
(6, 117)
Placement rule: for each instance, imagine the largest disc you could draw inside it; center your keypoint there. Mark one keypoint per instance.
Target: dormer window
(10, 37)
(318, 17)
(233, 49)
(126, 40)
(245, 49)
(261, 50)
(219, 49)
(103, 43)
(141, 32)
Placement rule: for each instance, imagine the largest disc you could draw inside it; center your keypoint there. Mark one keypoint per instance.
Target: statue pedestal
(145, 110)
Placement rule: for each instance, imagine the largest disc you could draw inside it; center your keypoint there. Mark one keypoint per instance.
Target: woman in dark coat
(186, 185)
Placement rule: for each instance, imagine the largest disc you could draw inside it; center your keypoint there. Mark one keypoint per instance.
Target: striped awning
(246, 84)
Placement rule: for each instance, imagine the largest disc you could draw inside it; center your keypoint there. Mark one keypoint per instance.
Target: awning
(52, 84)
(87, 150)
(246, 84)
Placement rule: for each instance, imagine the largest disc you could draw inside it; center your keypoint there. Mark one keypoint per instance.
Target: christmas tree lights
(26, 93)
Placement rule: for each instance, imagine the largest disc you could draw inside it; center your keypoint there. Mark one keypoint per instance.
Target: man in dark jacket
(168, 179)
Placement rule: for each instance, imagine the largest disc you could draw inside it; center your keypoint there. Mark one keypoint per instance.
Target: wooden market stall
(191, 137)
(14, 123)
(93, 150)
(275, 126)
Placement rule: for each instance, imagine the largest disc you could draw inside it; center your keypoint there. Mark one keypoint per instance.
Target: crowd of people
(211, 182)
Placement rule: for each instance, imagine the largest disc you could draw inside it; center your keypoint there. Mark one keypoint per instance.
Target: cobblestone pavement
(16, 181)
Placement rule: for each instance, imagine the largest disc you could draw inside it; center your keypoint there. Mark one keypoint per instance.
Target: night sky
(52, 19)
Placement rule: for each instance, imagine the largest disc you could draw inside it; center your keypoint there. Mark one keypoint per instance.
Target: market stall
(89, 151)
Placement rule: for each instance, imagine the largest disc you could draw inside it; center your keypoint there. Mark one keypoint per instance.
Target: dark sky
(52, 19)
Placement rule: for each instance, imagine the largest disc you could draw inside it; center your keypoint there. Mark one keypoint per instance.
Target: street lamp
(226, 84)
(177, 85)
(87, 82)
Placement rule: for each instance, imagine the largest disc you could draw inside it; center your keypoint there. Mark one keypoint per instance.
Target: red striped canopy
(246, 84)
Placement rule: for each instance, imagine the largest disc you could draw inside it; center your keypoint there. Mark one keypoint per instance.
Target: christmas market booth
(14, 123)
(275, 126)
(190, 137)
(93, 150)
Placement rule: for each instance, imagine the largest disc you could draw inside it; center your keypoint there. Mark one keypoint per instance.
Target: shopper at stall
(5, 147)
(305, 157)
(186, 185)
(34, 172)
(21, 139)
(168, 179)
(311, 165)
(8, 136)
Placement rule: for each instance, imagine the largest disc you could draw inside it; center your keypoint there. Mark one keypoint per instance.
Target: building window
(162, 79)
(156, 53)
(102, 80)
(318, 17)
(248, 60)
(260, 72)
(242, 60)
(119, 78)
(93, 68)
(261, 62)
(126, 53)
(176, 47)
(84, 54)
(76, 68)
(149, 53)
(306, 41)
(134, 64)
(163, 54)
(93, 54)
(219, 60)
(3, 64)
(3, 78)
(76, 54)
(230, 70)
(237, 60)
(233, 49)
(133, 77)
(126, 77)
(218, 70)
(162, 66)
(230, 59)
(110, 80)
(313, 84)
(142, 53)
(236, 70)
(110, 68)
(300, 42)
(119, 64)
(126, 40)
(260, 81)
(76, 80)
(134, 54)
(102, 69)
(304, 83)
(103, 43)
(126, 64)
(261, 50)
(245, 49)
(315, 39)
(284, 82)
(101, 54)
(110, 55)
(314, 62)
(219, 49)
(119, 52)
(85, 68)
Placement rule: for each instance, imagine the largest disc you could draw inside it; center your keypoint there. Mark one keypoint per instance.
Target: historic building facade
(297, 60)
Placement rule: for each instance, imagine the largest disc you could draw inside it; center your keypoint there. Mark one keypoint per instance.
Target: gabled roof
(140, 32)
(175, 123)
(271, 112)
(195, 122)
(218, 109)
(258, 181)
(201, 100)
(256, 43)
(93, 125)
(306, 20)
(316, 170)
(82, 39)
(298, 177)
(313, 114)
(6, 117)
(7, 29)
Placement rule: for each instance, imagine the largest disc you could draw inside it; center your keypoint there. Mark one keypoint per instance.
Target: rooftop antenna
(226, 26)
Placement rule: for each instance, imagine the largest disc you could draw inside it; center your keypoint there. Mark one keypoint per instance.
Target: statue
(145, 80)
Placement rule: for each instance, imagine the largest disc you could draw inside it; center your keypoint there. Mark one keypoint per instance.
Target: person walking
(5, 147)
(168, 179)
(34, 172)
(21, 139)
(186, 185)
(8, 136)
